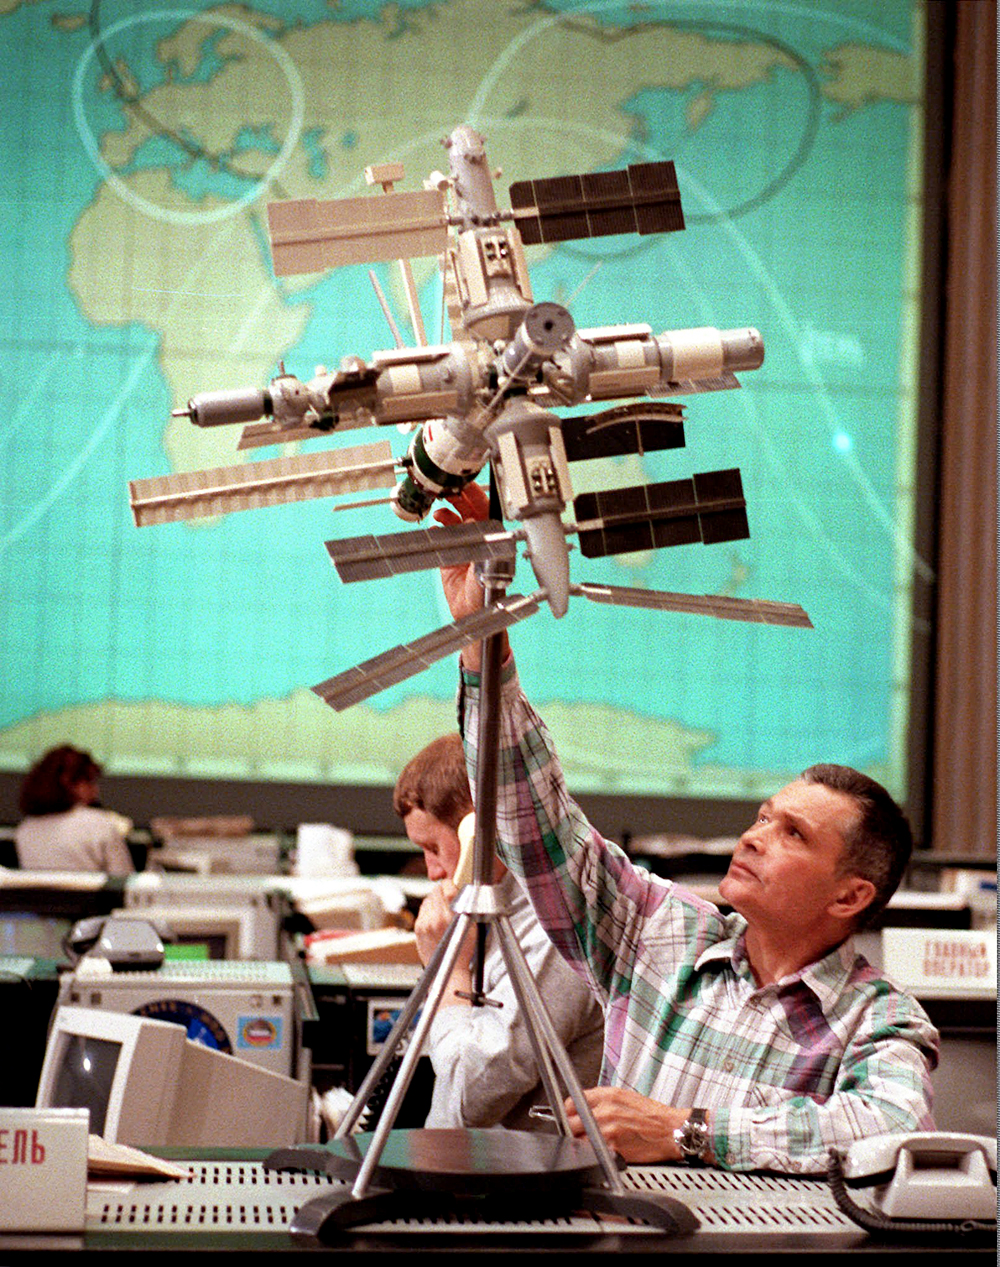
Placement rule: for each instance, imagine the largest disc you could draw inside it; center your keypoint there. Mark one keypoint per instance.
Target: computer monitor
(146, 1083)
(208, 934)
(193, 903)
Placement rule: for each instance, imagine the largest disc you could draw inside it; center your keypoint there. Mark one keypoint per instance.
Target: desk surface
(231, 1203)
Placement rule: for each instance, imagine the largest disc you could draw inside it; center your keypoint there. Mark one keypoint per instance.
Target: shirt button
(728, 1066)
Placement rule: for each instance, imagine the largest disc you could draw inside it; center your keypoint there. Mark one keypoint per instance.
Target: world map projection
(141, 145)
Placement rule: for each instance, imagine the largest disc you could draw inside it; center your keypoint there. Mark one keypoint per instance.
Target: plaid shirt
(829, 1055)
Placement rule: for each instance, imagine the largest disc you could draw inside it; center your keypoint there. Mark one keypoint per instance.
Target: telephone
(928, 1181)
(466, 836)
(125, 943)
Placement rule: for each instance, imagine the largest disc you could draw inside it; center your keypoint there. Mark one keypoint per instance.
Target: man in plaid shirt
(757, 1040)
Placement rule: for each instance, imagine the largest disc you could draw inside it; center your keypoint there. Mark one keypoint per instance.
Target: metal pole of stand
(454, 937)
(495, 579)
(395, 1037)
(539, 1021)
(544, 1039)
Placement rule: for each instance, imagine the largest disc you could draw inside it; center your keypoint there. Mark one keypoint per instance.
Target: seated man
(755, 1040)
(484, 1066)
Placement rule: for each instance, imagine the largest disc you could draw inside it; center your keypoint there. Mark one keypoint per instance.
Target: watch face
(692, 1138)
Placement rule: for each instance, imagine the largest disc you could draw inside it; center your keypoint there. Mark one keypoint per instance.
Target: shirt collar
(826, 977)
(730, 948)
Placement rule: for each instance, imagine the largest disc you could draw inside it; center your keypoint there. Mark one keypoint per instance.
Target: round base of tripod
(448, 1174)
(471, 1162)
(468, 1174)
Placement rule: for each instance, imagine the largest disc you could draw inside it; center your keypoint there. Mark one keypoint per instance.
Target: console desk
(232, 1204)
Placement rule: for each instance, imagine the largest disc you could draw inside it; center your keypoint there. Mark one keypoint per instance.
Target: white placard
(941, 960)
(43, 1169)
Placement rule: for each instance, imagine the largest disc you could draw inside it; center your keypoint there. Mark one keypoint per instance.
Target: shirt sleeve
(590, 899)
(115, 858)
(483, 1058)
(883, 1087)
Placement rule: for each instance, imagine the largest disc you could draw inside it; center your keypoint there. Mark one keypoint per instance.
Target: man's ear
(853, 895)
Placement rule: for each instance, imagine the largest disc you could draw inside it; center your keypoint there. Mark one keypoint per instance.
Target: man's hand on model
(462, 589)
(637, 1128)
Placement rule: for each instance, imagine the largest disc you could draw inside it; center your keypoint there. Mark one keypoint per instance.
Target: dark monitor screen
(85, 1076)
(28, 933)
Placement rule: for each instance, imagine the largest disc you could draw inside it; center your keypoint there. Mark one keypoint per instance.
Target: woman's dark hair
(48, 786)
(879, 845)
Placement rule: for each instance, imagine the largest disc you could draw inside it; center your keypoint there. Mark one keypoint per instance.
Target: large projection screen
(141, 148)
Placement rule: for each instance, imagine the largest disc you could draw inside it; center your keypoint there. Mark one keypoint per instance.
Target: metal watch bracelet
(693, 1137)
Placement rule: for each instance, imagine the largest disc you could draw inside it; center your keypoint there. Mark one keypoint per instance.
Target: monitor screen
(192, 946)
(85, 1076)
(147, 1084)
(227, 924)
(28, 932)
(123, 1069)
(222, 934)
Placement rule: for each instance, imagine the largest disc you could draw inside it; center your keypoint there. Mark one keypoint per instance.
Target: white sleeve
(483, 1059)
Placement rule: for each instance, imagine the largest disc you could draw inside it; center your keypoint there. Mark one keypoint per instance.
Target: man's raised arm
(462, 589)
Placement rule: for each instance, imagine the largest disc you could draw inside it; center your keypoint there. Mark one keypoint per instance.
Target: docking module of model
(485, 397)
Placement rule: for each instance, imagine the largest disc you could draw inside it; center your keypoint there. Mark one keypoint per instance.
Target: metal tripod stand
(578, 1175)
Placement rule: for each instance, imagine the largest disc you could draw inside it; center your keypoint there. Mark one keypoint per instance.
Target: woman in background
(63, 828)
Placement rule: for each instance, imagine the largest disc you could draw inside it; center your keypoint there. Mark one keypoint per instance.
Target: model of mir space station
(487, 396)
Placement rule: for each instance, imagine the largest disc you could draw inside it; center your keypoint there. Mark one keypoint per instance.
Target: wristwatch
(693, 1138)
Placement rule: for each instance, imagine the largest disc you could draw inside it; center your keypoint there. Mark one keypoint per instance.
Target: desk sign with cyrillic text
(43, 1169)
(942, 961)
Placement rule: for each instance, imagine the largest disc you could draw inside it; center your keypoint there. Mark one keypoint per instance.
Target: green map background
(141, 143)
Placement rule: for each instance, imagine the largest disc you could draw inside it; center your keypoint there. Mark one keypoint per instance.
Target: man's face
(439, 842)
(785, 871)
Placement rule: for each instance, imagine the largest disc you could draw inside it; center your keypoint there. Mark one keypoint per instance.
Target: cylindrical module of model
(438, 463)
(617, 361)
(535, 487)
(492, 274)
(546, 329)
(705, 352)
(287, 400)
(222, 408)
(472, 180)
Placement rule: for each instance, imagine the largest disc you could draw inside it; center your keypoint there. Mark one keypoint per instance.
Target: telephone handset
(125, 942)
(927, 1181)
(466, 831)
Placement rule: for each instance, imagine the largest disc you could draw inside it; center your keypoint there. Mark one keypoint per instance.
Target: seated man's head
(826, 852)
(432, 797)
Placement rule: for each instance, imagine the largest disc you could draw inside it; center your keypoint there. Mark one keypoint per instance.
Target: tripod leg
(662, 1211)
(396, 1036)
(538, 1015)
(454, 937)
(542, 1057)
(494, 579)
